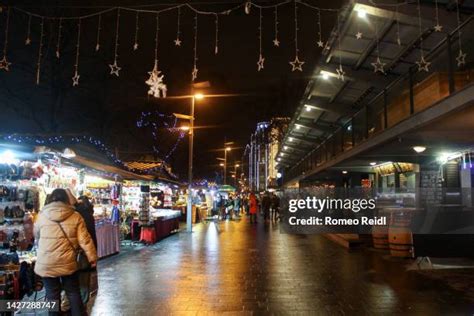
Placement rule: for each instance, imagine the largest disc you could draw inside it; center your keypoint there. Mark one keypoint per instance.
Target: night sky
(108, 107)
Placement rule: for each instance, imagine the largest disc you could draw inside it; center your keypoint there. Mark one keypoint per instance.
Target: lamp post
(226, 149)
(189, 206)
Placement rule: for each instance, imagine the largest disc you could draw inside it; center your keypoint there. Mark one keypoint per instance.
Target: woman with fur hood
(58, 229)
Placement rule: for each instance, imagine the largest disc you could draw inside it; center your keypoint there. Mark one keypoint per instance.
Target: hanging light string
(378, 64)
(4, 64)
(40, 53)
(114, 68)
(340, 71)
(28, 31)
(195, 69)
(261, 60)
(99, 27)
(157, 34)
(58, 44)
(296, 30)
(177, 41)
(276, 41)
(75, 78)
(216, 45)
(320, 39)
(397, 17)
(423, 65)
(437, 26)
(461, 58)
(137, 28)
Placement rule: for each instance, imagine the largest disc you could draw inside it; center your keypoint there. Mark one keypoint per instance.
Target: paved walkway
(239, 268)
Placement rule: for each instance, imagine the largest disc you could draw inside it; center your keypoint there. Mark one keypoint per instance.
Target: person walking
(266, 203)
(61, 232)
(237, 202)
(253, 207)
(86, 209)
(275, 202)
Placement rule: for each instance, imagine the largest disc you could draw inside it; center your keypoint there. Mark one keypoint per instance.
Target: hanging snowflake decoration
(157, 88)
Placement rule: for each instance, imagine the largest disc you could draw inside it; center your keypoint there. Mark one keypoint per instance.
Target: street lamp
(190, 128)
(226, 149)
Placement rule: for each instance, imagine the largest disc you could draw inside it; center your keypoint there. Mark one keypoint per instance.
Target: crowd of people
(66, 249)
(250, 204)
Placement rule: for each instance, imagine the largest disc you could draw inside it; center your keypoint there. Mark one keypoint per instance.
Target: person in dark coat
(86, 209)
(266, 204)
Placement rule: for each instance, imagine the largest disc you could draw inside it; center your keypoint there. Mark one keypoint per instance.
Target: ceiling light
(285, 147)
(279, 175)
(344, 171)
(361, 13)
(290, 139)
(308, 108)
(325, 75)
(419, 149)
(297, 126)
(373, 163)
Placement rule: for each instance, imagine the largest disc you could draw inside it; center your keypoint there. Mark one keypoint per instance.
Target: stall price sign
(14, 306)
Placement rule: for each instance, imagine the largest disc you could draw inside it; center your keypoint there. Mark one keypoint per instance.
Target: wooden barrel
(401, 242)
(380, 237)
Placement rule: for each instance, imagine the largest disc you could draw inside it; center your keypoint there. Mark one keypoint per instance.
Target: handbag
(82, 263)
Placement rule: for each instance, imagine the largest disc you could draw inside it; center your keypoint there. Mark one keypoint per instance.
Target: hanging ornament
(216, 44)
(399, 41)
(261, 60)
(28, 32)
(438, 27)
(114, 68)
(339, 70)
(320, 39)
(58, 44)
(423, 65)
(75, 78)
(276, 41)
(296, 64)
(461, 58)
(99, 27)
(359, 33)
(378, 64)
(137, 27)
(177, 41)
(247, 7)
(157, 88)
(194, 73)
(40, 53)
(4, 63)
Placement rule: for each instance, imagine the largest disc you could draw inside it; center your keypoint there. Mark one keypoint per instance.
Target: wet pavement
(239, 268)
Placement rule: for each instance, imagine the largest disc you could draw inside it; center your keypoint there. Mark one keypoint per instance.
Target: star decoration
(358, 35)
(276, 42)
(320, 43)
(260, 62)
(438, 28)
(75, 79)
(423, 64)
(158, 88)
(28, 41)
(461, 58)
(4, 64)
(297, 64)
(97, 47)
(378, 66)
(194, 74)
(58, 55)
(399, 41)
(135, 46)
(114, 68)
(340, 73)
(177, 42)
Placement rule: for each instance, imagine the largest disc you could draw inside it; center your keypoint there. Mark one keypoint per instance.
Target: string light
(261, 60)
(340, 71)
(114, 68)
(195, 69)
(58, 44)
(397, 17)
(4, 63)
(155, 82)
(276, 41)
(378, 64)
(438, 27)
(28, 31)
(137, 27)
(320, 39)
(40, 53)
(296, 64)
(216, 45)
(423, 65)
(461, 58)
(99, 27)
(177, 41)
(75, 78)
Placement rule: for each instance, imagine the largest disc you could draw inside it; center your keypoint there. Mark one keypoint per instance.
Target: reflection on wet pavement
(243, 268)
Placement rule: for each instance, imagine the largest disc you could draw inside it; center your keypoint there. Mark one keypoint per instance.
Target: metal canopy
(328, 102)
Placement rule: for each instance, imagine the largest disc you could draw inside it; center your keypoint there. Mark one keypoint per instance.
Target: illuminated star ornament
(177, 42)
(297, 64)
(423, 65)
(4, 64)
(438, 28)
(276, 42)
(378, 66)
(75, 79)
(260, 62)
(340, 73)
(114, 69)
(194, 73)
(461, 58)
(320, 43)
(358, 35)
(158, 88)
(135, 46)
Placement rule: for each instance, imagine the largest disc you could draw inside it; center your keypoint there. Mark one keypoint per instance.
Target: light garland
(58, 43)
(4, 63)
(40, 53)
(261, 60)
(114, 68)
(75, 78)
(296, 64)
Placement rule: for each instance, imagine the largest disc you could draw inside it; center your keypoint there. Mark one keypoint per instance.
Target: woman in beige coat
(56, 260)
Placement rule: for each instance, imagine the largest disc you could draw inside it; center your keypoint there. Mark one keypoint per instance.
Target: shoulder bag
(82, 262)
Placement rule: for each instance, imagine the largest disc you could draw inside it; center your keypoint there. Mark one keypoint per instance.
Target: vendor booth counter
(165, 222)
(108, 238)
